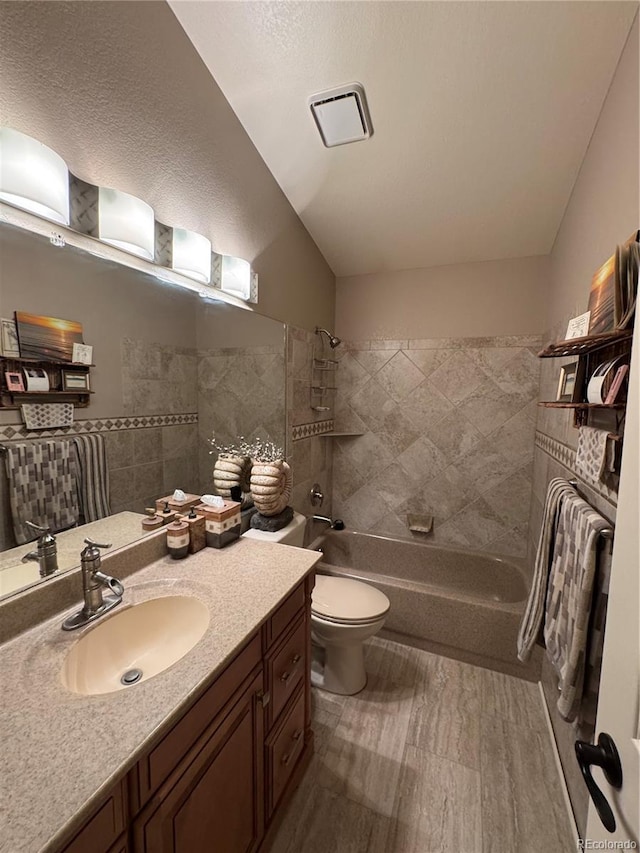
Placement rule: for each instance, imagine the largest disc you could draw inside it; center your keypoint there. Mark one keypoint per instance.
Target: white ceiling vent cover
(341, 115)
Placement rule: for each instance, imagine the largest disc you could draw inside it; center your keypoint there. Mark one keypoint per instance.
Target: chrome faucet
(93, 581)
(47, 554)
(334, 524)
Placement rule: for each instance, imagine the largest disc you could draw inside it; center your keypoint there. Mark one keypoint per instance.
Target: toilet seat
(345, 601)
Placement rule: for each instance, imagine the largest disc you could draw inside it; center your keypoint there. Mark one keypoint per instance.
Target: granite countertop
(61, 750)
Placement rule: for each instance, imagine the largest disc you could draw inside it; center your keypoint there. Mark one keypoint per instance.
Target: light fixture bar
(18, 218)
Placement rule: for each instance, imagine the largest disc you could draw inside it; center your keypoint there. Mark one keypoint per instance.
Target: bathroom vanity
(200, 757)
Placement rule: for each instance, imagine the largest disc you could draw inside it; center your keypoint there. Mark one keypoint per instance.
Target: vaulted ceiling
(482, 113)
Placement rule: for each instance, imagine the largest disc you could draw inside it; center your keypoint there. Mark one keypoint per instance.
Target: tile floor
(433, 756)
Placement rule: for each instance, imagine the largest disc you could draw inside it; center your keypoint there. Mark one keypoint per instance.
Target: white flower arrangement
(261, 451)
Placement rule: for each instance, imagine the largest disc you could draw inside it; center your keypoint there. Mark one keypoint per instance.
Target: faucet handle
(93, 544)
(41, 531)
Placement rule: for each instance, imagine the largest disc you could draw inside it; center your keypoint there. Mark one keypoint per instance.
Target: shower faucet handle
(316, 495)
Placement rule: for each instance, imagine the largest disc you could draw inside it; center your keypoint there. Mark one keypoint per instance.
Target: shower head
(333, 341)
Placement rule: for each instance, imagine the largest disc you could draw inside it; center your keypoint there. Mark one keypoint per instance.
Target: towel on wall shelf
(595, 454)
(93, 476)
(534, 611)
(42, 479)
(569, 597)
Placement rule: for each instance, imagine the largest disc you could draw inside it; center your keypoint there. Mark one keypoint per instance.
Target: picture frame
(73, 380)
(82, 354)
(48, 338)
(35, 379)
(568, 383)
(9, 344)
(14, 380)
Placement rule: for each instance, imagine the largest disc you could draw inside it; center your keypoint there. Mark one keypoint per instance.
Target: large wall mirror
(171, 369)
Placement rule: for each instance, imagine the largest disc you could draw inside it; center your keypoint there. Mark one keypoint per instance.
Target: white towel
(534, 610)
(569, 597)
(593, 456)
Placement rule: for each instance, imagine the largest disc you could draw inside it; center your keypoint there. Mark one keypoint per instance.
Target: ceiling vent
(341, 115)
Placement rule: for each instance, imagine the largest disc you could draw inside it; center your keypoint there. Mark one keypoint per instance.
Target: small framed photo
(14, 381)
(82, 354)
(72, 380)
(568, 390)
(9, 339)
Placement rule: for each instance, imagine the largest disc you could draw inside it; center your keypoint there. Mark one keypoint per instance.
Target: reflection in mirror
(171, 369)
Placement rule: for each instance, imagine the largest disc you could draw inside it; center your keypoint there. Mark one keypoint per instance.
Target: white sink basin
(147, 637)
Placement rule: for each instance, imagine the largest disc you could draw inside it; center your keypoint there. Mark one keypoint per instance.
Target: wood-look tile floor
(433, 756)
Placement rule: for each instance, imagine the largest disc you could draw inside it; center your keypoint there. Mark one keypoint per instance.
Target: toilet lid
(346, 600)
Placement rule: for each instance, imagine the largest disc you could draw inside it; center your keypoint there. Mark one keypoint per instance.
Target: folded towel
(569, 597)
(42, 486)
(534, 610)
(93, 476)
(593, 455)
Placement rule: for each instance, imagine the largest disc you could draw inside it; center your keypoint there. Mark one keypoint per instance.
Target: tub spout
(334, 524)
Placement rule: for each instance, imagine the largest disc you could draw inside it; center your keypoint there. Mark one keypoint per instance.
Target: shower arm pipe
(333, 340)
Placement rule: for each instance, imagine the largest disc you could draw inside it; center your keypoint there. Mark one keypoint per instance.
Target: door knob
(604, 755)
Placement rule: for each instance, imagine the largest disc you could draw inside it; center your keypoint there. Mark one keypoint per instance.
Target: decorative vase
(231, 471)
(271, 484)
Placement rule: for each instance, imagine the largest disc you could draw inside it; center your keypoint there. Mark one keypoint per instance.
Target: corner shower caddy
(320, 386)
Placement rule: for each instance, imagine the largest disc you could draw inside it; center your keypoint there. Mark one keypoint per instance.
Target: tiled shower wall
(308, 452)
(447, 429)
(241, 392)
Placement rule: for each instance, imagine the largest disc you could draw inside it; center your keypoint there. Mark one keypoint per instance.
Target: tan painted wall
(118, 90)
(604, 209)
(505, 297)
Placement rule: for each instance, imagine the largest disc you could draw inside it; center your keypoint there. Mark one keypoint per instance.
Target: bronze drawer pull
(263, 698)
(295, 660)
(286, 758)
(297, 735)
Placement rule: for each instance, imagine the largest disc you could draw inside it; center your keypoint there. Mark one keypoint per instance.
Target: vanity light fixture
(236, 277)
(126, 222)
(191, 255)
(33, 177)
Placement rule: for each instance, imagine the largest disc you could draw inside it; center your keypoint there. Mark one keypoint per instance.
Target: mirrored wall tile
(522, 803)
(148, 479)
(119, 448)
(147, 444)
(513, 699)
(121, 486)
(439, 807)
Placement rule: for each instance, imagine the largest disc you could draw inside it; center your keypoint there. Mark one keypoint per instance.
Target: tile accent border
(562, 453)
(566, 456)
(18, 432)
(308, 430)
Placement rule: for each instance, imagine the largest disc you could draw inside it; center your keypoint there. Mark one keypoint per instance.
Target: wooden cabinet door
(214, 802)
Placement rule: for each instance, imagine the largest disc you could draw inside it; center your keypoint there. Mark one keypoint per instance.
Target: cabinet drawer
(102, 830)
(284, 750)
(286, 613)
(155, 768)
(286, 670)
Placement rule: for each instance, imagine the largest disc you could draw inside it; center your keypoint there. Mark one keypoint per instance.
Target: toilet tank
(292, 534)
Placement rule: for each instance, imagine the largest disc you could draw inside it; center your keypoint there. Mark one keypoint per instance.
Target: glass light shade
(236, 276)
(126, 222)
(191, 255)
(33, 177)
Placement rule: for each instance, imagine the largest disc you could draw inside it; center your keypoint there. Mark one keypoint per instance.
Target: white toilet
(344, 613)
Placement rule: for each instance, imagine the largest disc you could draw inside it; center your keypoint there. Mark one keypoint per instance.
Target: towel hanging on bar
(569, 597)
(93, 476)
(534, 611)
(42, 486)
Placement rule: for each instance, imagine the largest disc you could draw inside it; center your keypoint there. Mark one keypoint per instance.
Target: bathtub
(463, 604)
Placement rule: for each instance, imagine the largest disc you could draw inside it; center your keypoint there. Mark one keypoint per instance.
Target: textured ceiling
(482, 113)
